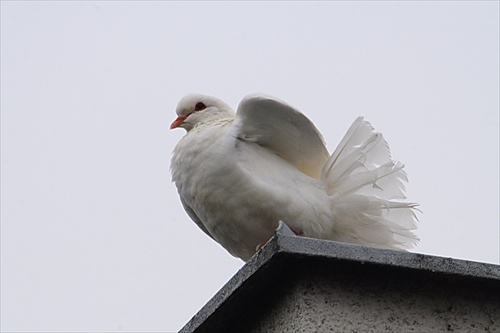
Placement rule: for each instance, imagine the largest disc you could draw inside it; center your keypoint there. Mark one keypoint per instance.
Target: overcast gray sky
(93, 236)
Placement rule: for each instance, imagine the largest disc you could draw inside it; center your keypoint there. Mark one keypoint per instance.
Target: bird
(239, 173)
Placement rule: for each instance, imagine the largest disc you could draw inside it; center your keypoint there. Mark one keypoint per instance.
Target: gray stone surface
(362, 300)
(297, 284)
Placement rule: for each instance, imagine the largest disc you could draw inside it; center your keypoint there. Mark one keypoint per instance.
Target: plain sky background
(93, 236)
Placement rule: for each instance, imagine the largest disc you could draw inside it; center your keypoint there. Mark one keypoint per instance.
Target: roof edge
(284, 242)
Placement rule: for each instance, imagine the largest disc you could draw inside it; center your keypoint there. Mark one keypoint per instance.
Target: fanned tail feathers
(363, 182)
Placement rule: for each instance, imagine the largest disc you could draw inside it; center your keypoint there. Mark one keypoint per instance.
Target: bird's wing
(282, 129)
(195, 217)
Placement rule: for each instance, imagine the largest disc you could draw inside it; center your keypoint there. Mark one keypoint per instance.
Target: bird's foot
(257, 248)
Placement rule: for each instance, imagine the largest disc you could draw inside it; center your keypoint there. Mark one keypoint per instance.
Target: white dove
(239, 174)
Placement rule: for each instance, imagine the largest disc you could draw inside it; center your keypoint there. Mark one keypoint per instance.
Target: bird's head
(195, 109)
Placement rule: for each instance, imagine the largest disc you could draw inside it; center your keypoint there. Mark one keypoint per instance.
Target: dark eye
(199, 106)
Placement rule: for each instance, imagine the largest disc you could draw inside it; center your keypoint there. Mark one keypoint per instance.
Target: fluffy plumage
(239, 174)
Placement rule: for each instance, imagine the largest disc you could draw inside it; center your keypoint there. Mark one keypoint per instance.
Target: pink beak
(178, 122)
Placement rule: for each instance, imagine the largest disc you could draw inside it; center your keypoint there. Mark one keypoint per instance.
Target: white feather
(239, 175)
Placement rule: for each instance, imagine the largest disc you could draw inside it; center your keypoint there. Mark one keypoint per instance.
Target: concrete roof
(266, 275)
